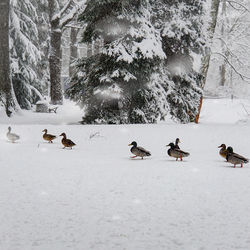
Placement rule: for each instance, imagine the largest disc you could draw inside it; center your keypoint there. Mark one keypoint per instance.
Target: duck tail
(148, 154)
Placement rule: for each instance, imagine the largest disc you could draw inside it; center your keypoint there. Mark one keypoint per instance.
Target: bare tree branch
(231, 2)
(65, 8)
(243, 77)
(70, 16)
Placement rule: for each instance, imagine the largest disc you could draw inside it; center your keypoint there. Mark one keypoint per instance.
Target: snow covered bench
(43, 107)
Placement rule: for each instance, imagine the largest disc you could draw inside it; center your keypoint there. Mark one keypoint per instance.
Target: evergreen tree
(25, 53)
(7, 96)
(113, 86)
(180, 24)
(43, 43)
(145, 71)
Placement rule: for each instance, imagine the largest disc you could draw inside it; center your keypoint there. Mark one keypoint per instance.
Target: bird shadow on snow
(230, 166)
(169, 160)
(137, 159)
(13, 142)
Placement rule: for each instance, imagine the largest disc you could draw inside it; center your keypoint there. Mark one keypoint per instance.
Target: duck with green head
(234, 158)
(138, 151)
(176, 152)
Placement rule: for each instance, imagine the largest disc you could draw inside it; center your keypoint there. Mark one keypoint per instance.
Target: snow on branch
(231, 3)
(243, 77)
(66, 19)
(65, 8)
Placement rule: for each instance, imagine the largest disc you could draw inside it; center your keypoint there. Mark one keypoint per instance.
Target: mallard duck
(223, 150)
(67, 143)
(138, 151)
(176, 152)
(11, 136)
(48, 137)
(235, 158)
(177, 141)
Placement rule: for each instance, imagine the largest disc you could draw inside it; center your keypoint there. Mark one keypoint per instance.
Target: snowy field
(95, 197)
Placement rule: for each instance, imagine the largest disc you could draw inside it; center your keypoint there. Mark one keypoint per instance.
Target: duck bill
(220, 146)
(129, 144)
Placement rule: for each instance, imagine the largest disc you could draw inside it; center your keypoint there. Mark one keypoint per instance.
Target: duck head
(45, 131)
(230, 150)
(222, 146)
(63, 134)
(177, 141)
(9, 128)
(133, 144)
(170, 145)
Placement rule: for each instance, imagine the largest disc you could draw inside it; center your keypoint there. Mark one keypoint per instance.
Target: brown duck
(48, 137)
(67, 143)
(223, 150)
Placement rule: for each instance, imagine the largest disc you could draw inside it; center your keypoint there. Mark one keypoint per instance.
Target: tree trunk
(73, 49)
(207, 55)
(97, 45)
(223, 46)
(6, 88)
(89, 50)
(55, 57)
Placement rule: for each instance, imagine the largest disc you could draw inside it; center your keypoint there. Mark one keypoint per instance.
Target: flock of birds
(176, 152)
(173, 151)
(67, 143)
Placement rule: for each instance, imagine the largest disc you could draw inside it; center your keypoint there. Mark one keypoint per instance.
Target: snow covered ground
(96, 197)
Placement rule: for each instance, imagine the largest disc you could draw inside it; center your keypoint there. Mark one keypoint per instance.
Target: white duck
(11, 136)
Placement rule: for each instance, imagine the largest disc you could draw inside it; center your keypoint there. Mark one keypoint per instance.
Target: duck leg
(181, 157)
(177, 159)
(234, 165)
(241, 165)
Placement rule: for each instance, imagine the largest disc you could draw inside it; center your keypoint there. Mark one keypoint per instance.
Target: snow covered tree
(59, 15)
(180, 24)
(73, 49)
(43, 43)
(25, 53)
(7, 96)
(229, 71)
(145, 71)
(113, 86)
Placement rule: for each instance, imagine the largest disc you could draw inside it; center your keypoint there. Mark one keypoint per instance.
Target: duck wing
(240, 157)
(183, 153)
(70, 143)
(51, 136)
(13, 136)
(143, 150)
